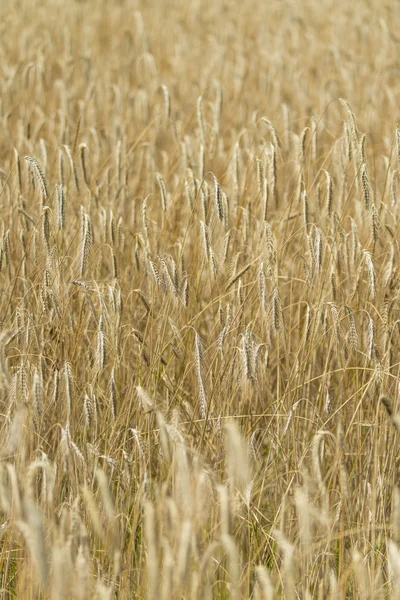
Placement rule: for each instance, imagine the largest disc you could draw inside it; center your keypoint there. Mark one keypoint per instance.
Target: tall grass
(199, 300)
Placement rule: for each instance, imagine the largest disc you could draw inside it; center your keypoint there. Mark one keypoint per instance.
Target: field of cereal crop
(199, 300)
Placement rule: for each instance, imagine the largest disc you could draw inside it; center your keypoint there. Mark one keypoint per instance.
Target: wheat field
(199, 300)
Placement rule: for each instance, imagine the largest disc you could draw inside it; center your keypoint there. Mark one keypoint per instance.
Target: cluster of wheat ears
(199, 300)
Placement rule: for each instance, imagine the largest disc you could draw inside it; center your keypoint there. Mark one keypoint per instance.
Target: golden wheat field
(199, 300)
